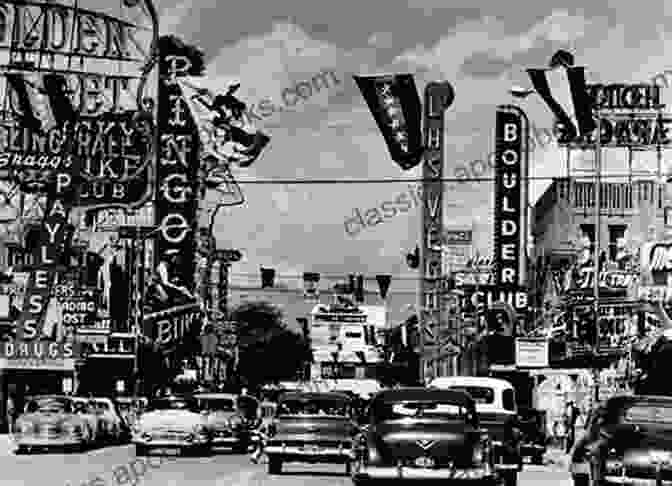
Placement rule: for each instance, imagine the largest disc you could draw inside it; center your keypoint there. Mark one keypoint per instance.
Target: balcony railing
(615, 197)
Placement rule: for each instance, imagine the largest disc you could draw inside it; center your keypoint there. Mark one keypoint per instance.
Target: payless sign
(177, 169)
(510, 170)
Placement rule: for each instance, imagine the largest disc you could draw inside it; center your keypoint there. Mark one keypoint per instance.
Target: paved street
(222, 469)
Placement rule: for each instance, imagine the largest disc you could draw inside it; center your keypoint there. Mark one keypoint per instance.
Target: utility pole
(596, 256)
(137, 235)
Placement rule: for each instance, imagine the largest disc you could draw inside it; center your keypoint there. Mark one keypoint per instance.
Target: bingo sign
(510, 196)
(178, 165)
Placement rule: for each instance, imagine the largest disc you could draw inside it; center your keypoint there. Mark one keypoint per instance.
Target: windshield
(100, 406)
(173, 404)
(49, 405)
(217, 404)
(480, 394)
(639, 413)
(425, 409)
(336, 408)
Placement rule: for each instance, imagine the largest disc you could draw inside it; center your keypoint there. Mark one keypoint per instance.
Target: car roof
(313, 396)
(215, 396)
(496, 383)
(413, 394)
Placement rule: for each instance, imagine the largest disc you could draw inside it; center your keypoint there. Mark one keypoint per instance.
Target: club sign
(510, 186)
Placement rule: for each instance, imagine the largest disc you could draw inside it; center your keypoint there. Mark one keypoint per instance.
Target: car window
(480, 394)
(314, 407)
(648, 413)
(419, 409)
(217, 404)
(49, 405)
(509, 400)
(173, 404)
(99, 406)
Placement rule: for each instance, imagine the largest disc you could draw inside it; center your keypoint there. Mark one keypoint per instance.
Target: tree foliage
(268, 350)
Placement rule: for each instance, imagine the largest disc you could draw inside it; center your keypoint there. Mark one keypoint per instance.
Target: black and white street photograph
(353, 243)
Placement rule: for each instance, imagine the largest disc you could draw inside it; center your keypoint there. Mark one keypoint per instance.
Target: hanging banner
(177, 169)
(395, 105)
(511, 169)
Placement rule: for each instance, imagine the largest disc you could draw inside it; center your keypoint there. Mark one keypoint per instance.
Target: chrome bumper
(225, 440)
(47, 441)
(376, 472)
(301, 451)
(625, 480)
(168, 442)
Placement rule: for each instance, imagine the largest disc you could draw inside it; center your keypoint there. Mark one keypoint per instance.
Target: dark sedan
(311, 428)
(628, 440)
(423, 434)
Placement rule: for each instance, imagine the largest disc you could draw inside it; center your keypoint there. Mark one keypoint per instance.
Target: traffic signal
(413, 258)
(267, 277)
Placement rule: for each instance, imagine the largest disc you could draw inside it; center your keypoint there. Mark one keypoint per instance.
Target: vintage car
(532, 423)
(311, 428)
(131, 408)
(172, 423)
(498, 415)
(114, 427)
(423, 434)
(55, 421)
(627, 440)
(232, 426)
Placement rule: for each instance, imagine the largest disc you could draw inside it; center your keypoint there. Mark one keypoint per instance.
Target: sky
(481, 47)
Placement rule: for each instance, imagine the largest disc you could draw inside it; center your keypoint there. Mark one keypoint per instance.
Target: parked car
(173, 423)
(498, 415)
(311, 428)
(131, 408)
(534, 438)
(230, 427)
(626, 441)
(423, 434)
(114, 427)
(54, 421)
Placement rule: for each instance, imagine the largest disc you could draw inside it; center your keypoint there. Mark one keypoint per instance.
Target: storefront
(108, 365)
(34, 368)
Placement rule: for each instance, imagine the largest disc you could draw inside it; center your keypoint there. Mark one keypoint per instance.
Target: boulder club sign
(510, 195)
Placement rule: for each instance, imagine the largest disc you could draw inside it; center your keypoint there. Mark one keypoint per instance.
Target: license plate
(424, 462)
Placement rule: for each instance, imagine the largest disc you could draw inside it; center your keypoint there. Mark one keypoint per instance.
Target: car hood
(315, 426)
(173, 419)
(400, 441)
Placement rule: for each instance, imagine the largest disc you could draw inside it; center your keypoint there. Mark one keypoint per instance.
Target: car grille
(171, 435)
(223, 433)
(647, 472)
(320, 443)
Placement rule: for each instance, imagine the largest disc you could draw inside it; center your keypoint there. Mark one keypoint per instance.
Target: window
(509, 400)
(616, 232)
(589, 231)
(480, 394)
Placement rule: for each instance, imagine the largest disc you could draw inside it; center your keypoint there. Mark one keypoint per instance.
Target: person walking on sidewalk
(571, 415)
(11, 413)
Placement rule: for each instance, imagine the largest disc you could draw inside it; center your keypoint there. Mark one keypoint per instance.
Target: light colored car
(173, 423)
(54, 421)
(229, 426)
(114, 428)
(498, 417)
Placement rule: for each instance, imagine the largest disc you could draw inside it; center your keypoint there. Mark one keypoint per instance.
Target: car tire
(538, 459)
(348, 468)
(510, 478)
(241, 447)
(21, 450)
(140, 450)
(274, 465)
(580, 479)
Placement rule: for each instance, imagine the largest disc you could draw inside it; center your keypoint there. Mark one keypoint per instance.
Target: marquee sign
(170, 327)
(438, 97)
(656, 271)
(510, 197)
(178, 165)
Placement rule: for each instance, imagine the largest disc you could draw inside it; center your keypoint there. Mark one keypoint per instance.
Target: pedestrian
(11, 412)
(571, 415)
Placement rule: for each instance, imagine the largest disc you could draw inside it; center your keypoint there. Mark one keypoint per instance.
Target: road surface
(117, 466)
